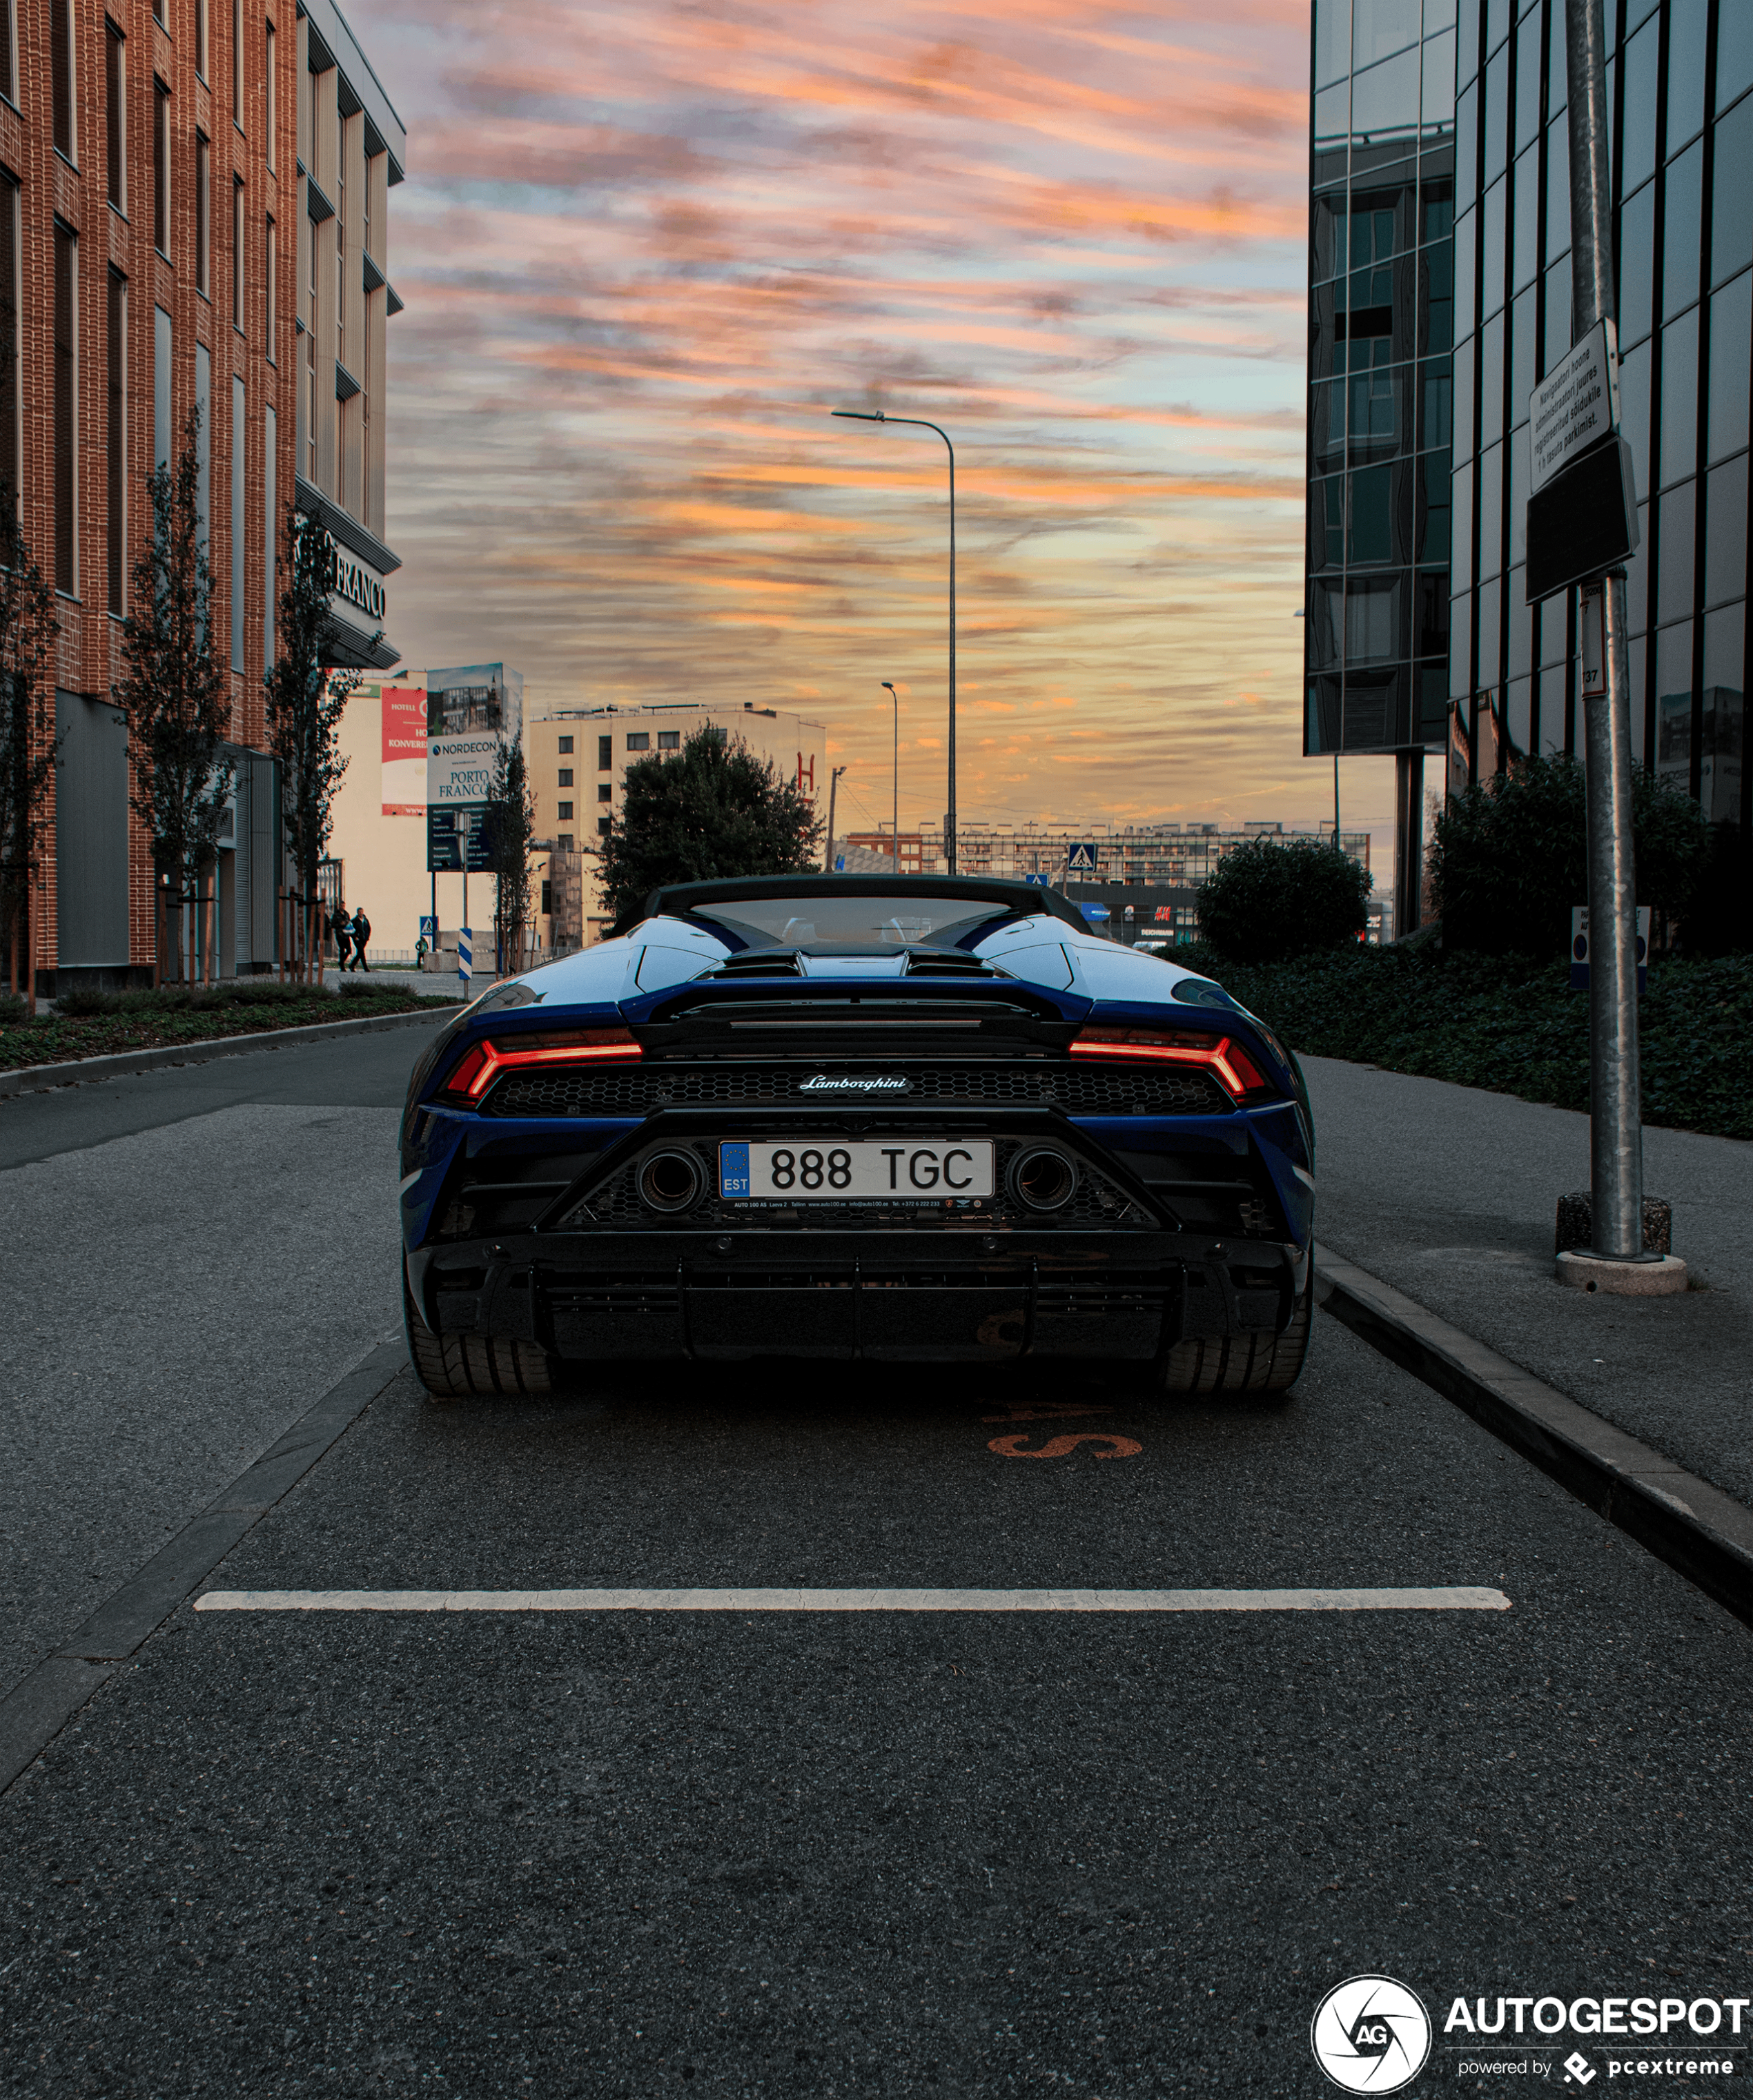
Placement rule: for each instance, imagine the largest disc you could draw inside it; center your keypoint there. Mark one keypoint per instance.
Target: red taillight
(1235, 1071)
(482, 1062)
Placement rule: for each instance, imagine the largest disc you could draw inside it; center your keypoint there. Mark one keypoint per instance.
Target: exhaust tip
(1042, 1178)
(671, 1182)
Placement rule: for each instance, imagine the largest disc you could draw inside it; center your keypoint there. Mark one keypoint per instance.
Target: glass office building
(1380, 374)
(1679, 78)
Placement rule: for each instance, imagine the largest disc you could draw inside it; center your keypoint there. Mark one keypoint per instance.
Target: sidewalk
(1449, 1194)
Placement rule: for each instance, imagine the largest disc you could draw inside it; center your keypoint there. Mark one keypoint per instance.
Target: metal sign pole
(1615, 1126)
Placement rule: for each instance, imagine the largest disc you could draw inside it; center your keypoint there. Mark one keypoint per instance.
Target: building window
(237, 256)
(566, 776)
(605, 791)
(310, 362)
(605, 753)
(161, 348)
(565, 841)
(65, 385)
(115, 115)
(566, 746)
(9, 353)
(637, 739)
(273, 93)
(341, 262)
(8, 45)
(237, 64)
(603, 827)
(270, 529)
(201, 38)
(115, 438)
(272, 290)
(563, 811)
(162, 167)
(237, 564)
(61, 74)
(203, 216)
(669, 739)
(547, 899)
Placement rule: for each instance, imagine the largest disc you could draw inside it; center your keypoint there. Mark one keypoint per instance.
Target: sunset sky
(646, 247)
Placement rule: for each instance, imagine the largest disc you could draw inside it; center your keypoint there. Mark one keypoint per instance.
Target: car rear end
(945, 1164)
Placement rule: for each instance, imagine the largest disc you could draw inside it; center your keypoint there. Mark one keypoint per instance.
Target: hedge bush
(1510, 1024)
(1276, 898)
(1509, 858)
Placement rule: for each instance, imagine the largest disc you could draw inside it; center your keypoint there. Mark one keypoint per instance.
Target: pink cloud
(646, 244)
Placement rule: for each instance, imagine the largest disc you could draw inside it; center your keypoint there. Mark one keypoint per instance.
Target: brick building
(193, 212)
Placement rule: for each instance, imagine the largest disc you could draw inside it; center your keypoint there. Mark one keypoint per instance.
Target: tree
(1274, 898)
(174, 690)
(507, 826)
(1510, 856)
(28, 744)
(713, 807)
(304, 703)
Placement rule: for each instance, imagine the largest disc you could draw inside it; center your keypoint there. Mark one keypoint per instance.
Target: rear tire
(472, 1366)
(1243, 1363)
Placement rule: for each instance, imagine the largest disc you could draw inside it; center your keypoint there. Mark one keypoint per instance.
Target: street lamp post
(919, 423)
(894, 805)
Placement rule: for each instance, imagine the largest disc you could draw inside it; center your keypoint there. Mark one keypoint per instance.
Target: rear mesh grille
(1078, 1089)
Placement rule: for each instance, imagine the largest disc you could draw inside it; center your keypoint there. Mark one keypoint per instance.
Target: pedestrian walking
(341, 926)
(419, 953)
(361, 935)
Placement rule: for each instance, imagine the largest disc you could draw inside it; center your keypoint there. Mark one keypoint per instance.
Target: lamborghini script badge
(847, 1083)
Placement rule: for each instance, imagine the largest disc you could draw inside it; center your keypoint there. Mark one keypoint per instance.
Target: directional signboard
(1080, 856)
(456, 843)
(1582, 502)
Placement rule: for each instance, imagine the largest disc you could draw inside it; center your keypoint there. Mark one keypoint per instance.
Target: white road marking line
(854, 1600)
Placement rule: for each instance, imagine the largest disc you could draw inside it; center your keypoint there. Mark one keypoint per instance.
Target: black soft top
(1024, 898)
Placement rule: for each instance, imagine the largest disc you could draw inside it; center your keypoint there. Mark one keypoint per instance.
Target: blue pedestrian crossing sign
(428, 927)
(1080, 856)
(1040, 881)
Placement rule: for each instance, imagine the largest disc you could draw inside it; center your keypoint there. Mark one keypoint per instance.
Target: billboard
(404, 752)
(470, 712)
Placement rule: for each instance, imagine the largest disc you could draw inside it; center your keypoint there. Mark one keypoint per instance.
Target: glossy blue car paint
(1059, 975)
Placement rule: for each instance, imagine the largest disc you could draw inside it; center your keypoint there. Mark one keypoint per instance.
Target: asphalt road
(871, 1854)
(877, 1854)
(187, 1260)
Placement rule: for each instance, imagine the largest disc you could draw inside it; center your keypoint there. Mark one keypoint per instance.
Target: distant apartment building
(193, 216)
(578, 758)
(1178, 855)
(1439, 295)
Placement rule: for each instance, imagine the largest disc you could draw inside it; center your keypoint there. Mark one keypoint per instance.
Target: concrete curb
(39, 1078)
(36, 1709)
(1700, 1532)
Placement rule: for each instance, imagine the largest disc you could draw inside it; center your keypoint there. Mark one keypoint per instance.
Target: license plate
(811, 1171)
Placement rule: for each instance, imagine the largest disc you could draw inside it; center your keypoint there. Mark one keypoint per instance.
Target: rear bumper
(894, 1296)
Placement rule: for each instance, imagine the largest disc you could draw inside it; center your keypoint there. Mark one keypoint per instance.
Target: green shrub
(269, 991)
(1509, 858)
(1510, 1024)
(81, 1005)
(1274, 898)
(1720, 919)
